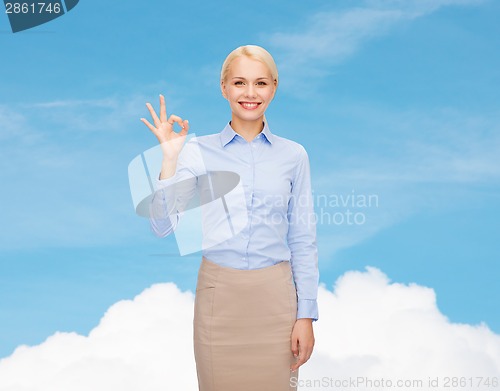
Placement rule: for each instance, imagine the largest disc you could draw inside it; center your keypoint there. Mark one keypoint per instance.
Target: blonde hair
(255, 53)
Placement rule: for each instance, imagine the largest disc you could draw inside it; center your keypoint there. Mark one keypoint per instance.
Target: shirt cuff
(307, 308)
(164, 197)
(162, 183)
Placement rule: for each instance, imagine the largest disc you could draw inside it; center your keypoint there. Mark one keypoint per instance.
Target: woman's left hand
(302, 341)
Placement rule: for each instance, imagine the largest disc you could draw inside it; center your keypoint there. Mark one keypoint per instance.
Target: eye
(262, 83)
(238, 83)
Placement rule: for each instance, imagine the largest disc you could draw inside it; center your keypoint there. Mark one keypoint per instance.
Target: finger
(185, 128)
(304, 356)
(295, 352)
(163, 109)
(299, 362)
(174, 118)
(151, 127)
(153, 115)
(295, 347)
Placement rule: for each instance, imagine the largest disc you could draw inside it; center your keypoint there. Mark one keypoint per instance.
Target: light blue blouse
(275, 176)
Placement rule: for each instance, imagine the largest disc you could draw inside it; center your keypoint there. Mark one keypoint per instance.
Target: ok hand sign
(171, 141)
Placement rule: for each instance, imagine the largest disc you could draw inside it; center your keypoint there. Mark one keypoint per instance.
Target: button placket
(252, 187)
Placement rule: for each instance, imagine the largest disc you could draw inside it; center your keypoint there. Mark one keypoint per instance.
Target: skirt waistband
(268, 271)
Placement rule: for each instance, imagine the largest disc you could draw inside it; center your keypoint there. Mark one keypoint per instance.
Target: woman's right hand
(171, 142)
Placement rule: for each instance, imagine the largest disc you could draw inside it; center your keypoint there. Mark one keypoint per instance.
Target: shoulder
(199, 142)
(194, 145)
(203, 139)
(293, 148)
(194, 151)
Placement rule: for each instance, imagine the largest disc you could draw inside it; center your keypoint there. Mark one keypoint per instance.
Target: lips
(250, 105)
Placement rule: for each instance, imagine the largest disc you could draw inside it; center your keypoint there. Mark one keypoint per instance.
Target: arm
(175, 185)
(173, 192)
(302, 240)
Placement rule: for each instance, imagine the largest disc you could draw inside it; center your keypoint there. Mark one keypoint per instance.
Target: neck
(247, 129)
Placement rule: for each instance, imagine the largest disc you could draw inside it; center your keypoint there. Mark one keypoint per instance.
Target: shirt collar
(228, 134)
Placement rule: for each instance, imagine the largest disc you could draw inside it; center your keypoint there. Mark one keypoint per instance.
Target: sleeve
(173, 194)
(302, 240)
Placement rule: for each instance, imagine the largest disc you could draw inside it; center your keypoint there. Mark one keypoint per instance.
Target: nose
(250, 91)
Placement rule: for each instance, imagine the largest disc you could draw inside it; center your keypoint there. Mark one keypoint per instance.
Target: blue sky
(397, 99)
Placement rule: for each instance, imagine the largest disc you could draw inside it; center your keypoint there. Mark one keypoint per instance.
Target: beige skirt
(243, 320)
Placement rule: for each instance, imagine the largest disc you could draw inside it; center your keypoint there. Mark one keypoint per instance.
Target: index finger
(163, 109)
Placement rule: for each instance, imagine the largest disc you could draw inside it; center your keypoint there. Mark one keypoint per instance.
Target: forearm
(159, 216)
(163, 203)
(306, 276)
(168, 168)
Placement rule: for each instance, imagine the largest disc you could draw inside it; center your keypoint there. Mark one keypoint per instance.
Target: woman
(256, 293)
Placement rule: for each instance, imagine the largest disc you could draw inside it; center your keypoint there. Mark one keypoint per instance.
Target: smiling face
(249, 88)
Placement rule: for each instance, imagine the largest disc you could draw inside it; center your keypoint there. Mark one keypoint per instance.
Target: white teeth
(249, 105)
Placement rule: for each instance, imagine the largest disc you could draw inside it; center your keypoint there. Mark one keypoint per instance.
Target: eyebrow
(259, 78)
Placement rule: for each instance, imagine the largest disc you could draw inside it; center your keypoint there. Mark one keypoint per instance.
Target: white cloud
(140, 344)
(78, 103)
(106, 115)
(59, 150)
(412, 161)
(418, 7)
(368, 327)
(327, 38)
(15, 126)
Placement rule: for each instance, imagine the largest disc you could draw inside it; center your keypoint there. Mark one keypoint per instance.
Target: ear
(223, 89)
(275, 88)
